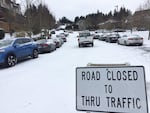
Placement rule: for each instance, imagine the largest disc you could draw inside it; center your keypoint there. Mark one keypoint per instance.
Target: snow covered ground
(47, 84)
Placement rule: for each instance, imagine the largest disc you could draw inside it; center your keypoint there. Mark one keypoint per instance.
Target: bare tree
(147, 4)
(144, 6)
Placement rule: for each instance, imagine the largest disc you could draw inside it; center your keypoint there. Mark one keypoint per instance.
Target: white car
(57, 41)
(130, 40)
(62, 36)
(85, 38)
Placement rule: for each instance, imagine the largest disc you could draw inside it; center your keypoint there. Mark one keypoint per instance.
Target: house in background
(139, 20)
(10, 5)
(82, 24)
(110, 24)
(10, 15)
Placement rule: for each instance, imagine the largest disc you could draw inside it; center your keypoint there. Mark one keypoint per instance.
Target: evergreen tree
(35, 20)
(65, 20)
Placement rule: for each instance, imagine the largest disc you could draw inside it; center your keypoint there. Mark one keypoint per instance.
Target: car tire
(118, 42)
(79, 45)
(125, 43)
(11, 60)
(92, 44)
(35, 53)
(49, 50)
(106, 40)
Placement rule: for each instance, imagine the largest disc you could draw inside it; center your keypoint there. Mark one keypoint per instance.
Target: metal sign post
(111, 88)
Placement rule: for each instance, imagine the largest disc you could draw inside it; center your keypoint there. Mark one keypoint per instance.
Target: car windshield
(5, 43)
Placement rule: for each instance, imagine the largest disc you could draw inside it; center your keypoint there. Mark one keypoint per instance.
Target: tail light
(130, 39)
(44, 45)
(135, 38)
(141, 38)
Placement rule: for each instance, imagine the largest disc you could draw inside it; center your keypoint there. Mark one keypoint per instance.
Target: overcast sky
(73, 8)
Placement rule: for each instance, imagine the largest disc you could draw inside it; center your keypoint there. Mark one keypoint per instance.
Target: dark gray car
(112, 38)
(45, 46)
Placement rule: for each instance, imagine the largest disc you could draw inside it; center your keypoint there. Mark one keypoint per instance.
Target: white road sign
(111, 89)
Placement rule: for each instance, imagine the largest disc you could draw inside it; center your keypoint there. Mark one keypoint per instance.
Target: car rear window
(84, 34)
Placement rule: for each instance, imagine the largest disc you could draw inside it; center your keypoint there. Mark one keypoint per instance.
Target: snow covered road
(47, 84)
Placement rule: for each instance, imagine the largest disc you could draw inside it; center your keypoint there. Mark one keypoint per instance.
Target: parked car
(45, 45)
(62, 36)
(15, 49)
(2, 33)
(96, 36)
(66, 34)
(103, 36)
(57, 41)
(131, 40)
(52, 44)
(85, 38)
(112, 37)
(52, 32)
